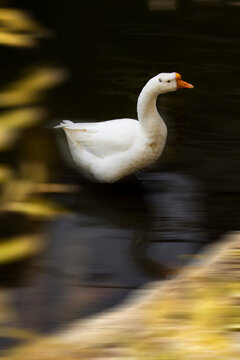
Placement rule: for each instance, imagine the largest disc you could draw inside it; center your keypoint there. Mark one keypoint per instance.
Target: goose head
(167, 82)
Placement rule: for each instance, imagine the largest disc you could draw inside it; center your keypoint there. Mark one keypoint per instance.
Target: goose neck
(148, 116)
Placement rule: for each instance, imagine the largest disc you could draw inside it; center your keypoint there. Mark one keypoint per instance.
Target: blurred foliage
(5, 173)
(24, 180)
(194, 316)
(35, 208)
(18, 20)
(22, 101)
(17, 28)
(19, 247)
(29, 88)
(17, 333)
(11, 122)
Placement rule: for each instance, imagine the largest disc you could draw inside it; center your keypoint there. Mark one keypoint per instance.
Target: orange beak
(182, 84)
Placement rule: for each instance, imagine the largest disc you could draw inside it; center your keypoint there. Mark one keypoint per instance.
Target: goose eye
(169, 81)
(160, 80)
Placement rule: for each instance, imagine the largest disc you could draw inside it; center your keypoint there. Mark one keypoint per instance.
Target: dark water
(118, 237)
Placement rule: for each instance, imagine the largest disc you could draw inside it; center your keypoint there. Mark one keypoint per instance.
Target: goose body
(110, 150)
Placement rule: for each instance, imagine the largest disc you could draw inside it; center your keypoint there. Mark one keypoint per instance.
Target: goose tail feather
(64, 123)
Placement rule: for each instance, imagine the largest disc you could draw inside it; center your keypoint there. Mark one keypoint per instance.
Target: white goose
(110, 150)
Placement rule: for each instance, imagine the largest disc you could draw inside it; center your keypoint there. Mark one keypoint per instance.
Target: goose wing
(104, 138)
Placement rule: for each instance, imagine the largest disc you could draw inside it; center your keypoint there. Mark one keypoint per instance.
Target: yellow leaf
(17, 98)
(12, 121)
(18, 20)
(21, 118)
(14, 21)
(38, 208)
(20, 247)
(27, 89)
(38, 79)
(15, 39)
